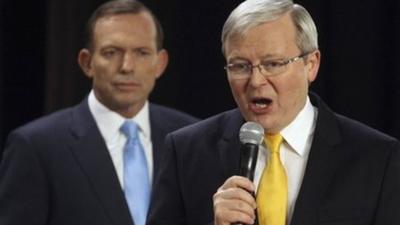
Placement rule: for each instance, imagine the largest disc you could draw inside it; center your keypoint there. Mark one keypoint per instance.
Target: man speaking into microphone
(313, 167)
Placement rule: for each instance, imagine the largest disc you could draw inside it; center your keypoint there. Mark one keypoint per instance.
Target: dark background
(39, 42)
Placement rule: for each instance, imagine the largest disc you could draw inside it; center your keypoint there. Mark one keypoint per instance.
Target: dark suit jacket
(58, 171)
(352, 175)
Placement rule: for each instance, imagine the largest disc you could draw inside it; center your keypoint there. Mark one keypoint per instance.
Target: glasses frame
(283, 63)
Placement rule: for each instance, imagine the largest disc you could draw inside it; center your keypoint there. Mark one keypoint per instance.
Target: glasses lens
(238, 70)
(273, 67)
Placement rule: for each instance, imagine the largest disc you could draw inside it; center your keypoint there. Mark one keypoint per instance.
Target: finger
(238, 194)
(235, 205)
(239, 181)
(228, 215)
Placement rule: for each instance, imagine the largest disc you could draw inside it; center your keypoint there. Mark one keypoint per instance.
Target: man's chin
(124, 103)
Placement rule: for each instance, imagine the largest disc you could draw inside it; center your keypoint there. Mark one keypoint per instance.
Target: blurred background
(40, 40)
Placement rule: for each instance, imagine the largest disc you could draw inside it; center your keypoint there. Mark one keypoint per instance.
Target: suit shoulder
(46, 124)
(362, 132)
(213, 124)
(41, 134)
(172, 115)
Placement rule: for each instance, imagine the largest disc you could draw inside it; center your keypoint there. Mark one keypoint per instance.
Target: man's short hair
(118, 7)
(252, 13)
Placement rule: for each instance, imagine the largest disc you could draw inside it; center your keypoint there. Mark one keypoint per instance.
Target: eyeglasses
(268, 68)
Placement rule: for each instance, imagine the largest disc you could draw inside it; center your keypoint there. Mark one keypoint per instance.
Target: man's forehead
(125, 18)
(242, 30)
(264, 35)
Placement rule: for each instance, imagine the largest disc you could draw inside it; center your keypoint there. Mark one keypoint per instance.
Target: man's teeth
(261, 105)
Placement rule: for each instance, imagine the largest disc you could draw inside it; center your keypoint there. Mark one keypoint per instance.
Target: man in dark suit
(314, 167)
(68, 167)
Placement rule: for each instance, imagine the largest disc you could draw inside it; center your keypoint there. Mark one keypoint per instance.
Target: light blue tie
(136, 175)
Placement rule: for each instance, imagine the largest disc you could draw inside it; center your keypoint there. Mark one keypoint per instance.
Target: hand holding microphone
(234, 201)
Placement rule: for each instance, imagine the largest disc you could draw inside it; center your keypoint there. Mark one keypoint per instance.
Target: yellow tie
(272, 189)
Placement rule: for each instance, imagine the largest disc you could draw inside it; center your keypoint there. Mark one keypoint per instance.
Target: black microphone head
(252, 133)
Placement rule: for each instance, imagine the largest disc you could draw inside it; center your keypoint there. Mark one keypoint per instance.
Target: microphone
(251, 135)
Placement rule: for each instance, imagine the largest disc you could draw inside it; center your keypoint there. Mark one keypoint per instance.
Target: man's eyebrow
(238, 58)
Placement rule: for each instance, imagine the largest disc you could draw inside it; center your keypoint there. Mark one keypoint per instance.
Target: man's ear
(162, 63)
(313, 62)
(84, 61)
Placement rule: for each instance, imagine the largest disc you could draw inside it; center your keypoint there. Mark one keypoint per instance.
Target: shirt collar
(109, 122)
(300, 130)
(143, 121)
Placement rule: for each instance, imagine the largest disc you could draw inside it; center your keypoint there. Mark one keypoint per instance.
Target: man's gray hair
(252, 13)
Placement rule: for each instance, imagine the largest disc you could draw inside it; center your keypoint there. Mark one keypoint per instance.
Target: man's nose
(256, 77)
(128, 63)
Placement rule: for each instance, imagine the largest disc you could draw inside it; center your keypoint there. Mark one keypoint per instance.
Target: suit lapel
(322, 163)
(92, 155)
(229, 143)
(159, 130)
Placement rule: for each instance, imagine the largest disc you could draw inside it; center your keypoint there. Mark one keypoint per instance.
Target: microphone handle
(247, 167)
(248, 160)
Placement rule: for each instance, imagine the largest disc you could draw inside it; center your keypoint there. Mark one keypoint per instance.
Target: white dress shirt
(109, 123)
(294, 151)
